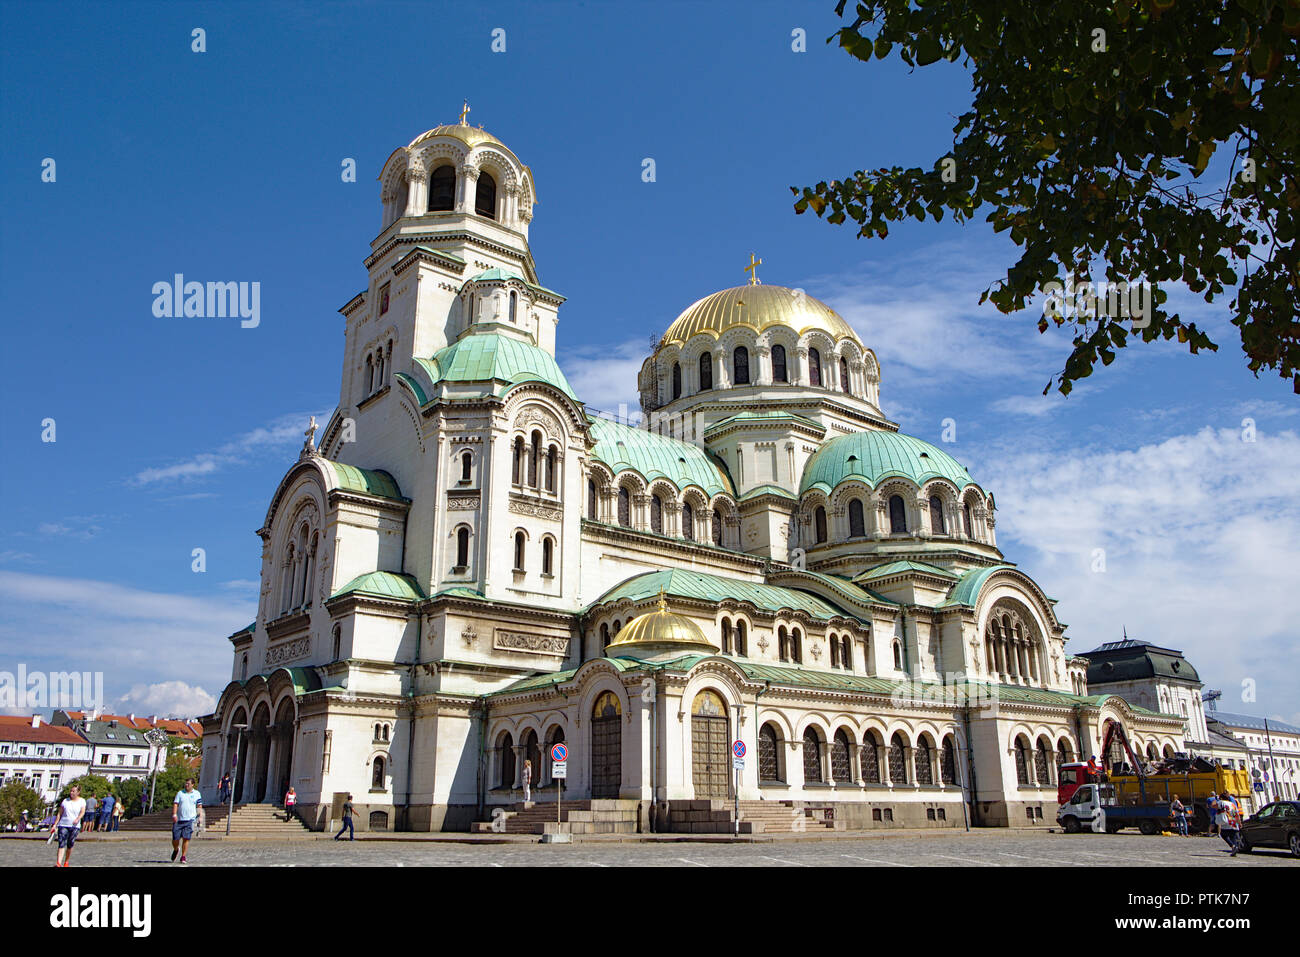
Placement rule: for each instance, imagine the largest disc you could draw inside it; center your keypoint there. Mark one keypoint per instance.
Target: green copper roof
(969, 584)
(365, 480)
(657, 456)
(767, 490)
(489, 357)
(875, 455)
(842, 586)
(903, 567)
(497, 274)
(771, 415)
(383, 585)
(712, 588)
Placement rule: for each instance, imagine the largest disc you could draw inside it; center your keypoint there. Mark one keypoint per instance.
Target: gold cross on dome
(663, 600)
(752, 269)
(464, 112)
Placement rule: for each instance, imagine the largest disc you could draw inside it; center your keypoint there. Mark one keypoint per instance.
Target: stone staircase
(248, 819)
(756, 817)
(576, 817)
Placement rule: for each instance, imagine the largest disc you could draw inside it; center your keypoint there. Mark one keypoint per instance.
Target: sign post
(737, 765)
(560, 772)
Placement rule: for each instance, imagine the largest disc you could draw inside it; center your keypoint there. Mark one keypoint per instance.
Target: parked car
(1273, 825)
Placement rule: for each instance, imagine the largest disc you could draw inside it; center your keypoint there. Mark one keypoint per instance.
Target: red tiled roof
(20, 729)
(182, 729)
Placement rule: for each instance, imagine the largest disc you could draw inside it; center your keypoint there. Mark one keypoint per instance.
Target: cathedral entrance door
(606, 747)
(710, 746)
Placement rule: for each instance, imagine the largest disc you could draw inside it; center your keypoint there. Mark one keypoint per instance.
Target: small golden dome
(661, 630)
(471, 136)
(757, 307)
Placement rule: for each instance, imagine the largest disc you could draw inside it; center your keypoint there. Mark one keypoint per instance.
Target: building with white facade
(470, 566)
(1272, 751)
(43, 756)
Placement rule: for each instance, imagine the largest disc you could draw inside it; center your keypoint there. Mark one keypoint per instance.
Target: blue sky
(225, 165)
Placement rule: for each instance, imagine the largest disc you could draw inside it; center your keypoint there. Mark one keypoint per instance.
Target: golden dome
(757, 307)
(661, 630)
(471, 136)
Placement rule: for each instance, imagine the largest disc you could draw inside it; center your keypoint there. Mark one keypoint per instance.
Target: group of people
(1225, 817)
(77, 814)
(103, 814)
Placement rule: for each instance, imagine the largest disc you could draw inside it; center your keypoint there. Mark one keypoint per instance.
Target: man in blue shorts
(187, 811)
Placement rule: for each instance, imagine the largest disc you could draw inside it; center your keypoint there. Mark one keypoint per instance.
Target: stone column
(518, 749)
(764, 371)
(466, 188)
(641, 512)
(272, 760)
(799, 374)
(723, 378)
(417, 185)
(923, 527)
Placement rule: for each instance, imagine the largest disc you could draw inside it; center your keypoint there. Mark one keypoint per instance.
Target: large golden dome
(661, 630)
(757, 307)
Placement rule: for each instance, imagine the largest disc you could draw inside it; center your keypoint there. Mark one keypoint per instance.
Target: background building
(43, 756)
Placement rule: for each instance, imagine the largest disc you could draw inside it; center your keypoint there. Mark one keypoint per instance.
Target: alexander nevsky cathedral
(467, 566)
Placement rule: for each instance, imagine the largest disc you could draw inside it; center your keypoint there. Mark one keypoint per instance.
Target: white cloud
(167, 699)
(604, 377)
(1198, 534)
(134, 636)
(282, 433)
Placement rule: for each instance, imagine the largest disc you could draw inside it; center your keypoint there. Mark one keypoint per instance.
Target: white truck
(1093, 807)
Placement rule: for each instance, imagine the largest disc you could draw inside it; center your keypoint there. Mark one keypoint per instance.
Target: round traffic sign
(738, 749)
(559, 753)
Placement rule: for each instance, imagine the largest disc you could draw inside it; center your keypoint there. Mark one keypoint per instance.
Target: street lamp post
(234, 775)
(157, 738)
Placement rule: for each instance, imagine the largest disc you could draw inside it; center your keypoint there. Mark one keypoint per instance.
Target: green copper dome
(484, 357)
(874, 456)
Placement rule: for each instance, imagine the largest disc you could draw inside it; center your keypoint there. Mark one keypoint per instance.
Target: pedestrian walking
(1178, 811)
(187, 810)
(224, 790)
(1232, 823)
(528, 780)
(106, 812)
(92, 808)
(22, 822)
(119, 812)
(71, 812)
(290, 802)
(347, 821)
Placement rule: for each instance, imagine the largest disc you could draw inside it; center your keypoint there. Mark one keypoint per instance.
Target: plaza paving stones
(983, 848)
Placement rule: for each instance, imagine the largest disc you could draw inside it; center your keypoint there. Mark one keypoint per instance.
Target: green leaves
(1084, 156)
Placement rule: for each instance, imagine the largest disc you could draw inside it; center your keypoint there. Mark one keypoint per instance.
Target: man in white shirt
(68, 824)
(187, 811)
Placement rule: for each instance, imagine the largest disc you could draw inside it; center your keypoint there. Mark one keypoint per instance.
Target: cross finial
(464, 112)
(663, 600)
(752, 269)
(310, 445)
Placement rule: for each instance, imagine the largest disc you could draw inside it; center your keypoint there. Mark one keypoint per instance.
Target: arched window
(898, 655)
(520, 540)
(442, 190)
(796, 646)
(937, 525)
(548, 548)
(462, 548)
(726, 636)
(925, 762)
(715, 530)
(835, 651)
(783, 644)
(517, 470)
(309, 571)
(898, 760)
(656, 515)
(377, 775)
(552, 466)
(243, 668)
(688, 522)
(819, 524)
(706, 371)
(814, 367)
(857, 523)
(370, 375)
(677, 380)
(844, 375)
(949, 762)
(769, 766)
(592, 511)
(841, 764)
(897, 515)
(338, 642)
(624, 508)
(534, 460)
(286, 598)
(846, 653)
(506, 761)
(466, 465)
(778, 364)
(870, 758)
(812, 757)
(485, 197)
(1022, 762)
(1042, 762)
(742, 642)
(965, 510)
(740, 366)
(604, 637)
(514, 306)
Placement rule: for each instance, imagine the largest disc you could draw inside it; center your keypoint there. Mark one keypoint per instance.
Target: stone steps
(248, 819)
(576, 817)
